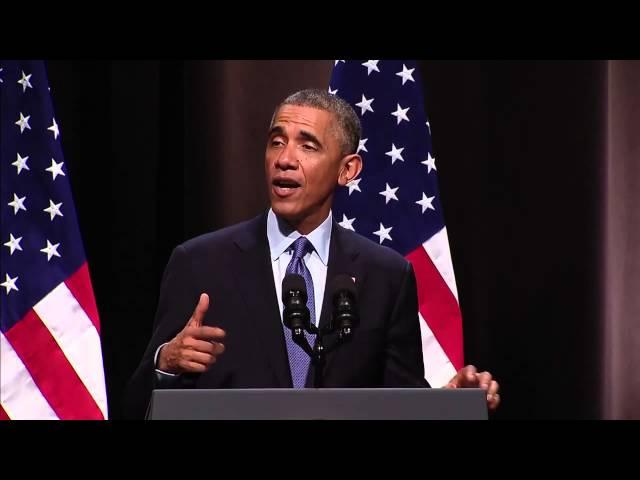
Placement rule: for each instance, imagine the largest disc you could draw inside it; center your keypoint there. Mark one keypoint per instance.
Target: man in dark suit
(235, 337)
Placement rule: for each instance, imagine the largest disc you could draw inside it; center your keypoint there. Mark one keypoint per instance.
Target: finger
(210, 347)
(467, 377)
(219, 348)
(192, 367)
(493, 388)
(460, 379)
(470, 373)
(204, 359)
(484, 380)
(200, 310)
(207, 333)
(493, 401)
(493, 397)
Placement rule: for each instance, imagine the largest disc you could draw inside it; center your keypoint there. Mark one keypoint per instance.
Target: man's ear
(351, 168)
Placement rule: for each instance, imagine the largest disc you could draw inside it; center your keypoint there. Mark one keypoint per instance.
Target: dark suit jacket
(233, 266)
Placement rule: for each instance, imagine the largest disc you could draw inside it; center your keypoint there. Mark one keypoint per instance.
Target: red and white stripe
(51, 360)
(440, 316)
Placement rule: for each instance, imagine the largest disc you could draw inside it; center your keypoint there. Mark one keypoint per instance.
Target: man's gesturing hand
(196, 347)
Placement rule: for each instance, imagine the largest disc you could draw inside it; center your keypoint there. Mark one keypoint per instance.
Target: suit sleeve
(403, 357)
(178, 298)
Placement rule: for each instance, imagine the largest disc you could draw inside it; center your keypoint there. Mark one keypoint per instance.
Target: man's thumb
(199, 312)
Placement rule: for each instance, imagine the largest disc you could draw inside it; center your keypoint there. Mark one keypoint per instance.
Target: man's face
(302, 165)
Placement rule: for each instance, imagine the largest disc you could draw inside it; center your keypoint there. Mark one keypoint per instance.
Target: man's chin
(285, 212)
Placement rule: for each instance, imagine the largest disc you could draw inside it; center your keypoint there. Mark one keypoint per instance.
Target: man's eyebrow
(275, 130)
(305, 135)
(311, 137)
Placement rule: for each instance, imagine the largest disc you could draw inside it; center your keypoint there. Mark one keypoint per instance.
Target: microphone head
(296, 314)
(345, 309)
(293, 282)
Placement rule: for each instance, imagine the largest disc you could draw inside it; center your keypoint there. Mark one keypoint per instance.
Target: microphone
(345, 308)
(296, 314)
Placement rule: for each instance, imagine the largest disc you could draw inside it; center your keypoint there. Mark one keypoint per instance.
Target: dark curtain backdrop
(160, 151)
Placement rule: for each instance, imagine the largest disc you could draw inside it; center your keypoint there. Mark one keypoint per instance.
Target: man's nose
(287, 159)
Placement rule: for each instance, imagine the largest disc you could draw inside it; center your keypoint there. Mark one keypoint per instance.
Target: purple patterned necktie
(298, 359)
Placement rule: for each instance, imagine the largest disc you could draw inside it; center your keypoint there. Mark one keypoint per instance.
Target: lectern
(319, 404)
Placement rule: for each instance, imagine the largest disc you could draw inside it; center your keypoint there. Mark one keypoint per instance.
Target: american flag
(50, 352)
(395, 201)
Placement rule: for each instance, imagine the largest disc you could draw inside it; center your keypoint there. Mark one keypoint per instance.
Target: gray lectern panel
(320, 404)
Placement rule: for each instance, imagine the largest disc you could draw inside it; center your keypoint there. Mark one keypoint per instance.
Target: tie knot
(301, 247)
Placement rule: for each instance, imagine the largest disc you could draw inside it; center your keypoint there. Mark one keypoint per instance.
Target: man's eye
(276, 143)
(309, 147)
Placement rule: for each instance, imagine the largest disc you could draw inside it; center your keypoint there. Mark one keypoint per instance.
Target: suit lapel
(343, 258)
(254, 280)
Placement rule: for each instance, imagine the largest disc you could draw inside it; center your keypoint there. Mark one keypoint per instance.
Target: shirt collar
(280, 236)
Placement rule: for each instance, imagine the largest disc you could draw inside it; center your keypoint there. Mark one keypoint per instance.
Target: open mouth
(284, 187)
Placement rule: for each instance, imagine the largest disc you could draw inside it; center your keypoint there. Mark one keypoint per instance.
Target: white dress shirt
(280, 237)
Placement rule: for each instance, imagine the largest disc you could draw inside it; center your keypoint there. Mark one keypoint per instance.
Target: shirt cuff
(155, 363)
